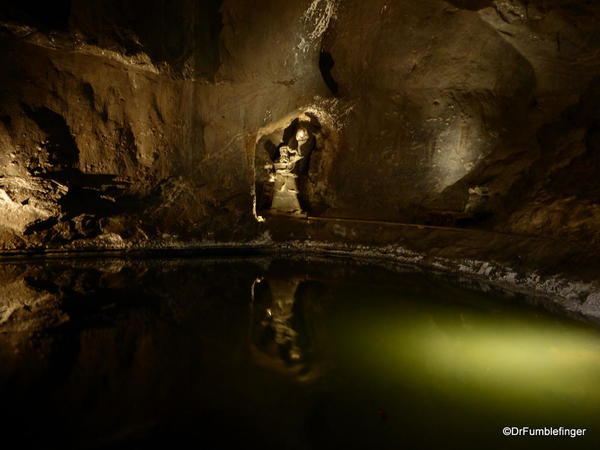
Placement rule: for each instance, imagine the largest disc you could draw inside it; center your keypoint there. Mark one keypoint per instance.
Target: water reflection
(277, 320)
(282, 354)
(286, 327)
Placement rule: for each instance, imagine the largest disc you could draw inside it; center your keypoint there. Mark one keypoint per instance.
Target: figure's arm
(295, 158)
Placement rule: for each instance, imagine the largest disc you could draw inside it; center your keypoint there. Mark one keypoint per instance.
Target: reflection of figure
(281, 337)
(285, 191)
(279, 316)
(276, 319)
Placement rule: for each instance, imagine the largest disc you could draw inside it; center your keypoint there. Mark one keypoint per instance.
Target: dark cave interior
(454, 136)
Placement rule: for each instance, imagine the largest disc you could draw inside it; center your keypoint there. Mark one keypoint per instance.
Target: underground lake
(300, 225)
(285, 352)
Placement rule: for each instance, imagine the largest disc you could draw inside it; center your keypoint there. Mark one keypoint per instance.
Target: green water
(286, 354)
(453, 375)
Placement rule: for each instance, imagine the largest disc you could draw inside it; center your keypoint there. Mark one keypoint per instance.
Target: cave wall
(123, 123)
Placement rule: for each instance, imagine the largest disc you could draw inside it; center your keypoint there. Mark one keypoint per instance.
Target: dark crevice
(471, 5)
(214, 26)
(326, 64)
(40, 225)
(88, 92)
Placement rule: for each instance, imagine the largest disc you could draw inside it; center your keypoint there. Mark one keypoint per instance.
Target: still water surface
(283, 354)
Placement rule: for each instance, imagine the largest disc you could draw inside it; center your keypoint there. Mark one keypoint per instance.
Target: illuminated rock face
(125, 123)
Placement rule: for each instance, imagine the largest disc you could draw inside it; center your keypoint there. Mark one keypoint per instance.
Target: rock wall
(139, 123)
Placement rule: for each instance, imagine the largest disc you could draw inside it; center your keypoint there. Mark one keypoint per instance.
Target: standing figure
(285, 191)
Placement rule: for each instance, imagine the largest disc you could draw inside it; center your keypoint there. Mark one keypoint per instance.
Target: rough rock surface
(137, 122)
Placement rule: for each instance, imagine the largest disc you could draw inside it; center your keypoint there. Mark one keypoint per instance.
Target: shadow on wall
(84, 199)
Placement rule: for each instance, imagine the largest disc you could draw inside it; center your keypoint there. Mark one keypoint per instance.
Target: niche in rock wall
(292, 159)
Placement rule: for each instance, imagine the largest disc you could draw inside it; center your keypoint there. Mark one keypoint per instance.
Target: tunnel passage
(289, 159)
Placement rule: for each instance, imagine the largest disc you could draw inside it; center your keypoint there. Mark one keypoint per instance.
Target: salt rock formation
(142, 123)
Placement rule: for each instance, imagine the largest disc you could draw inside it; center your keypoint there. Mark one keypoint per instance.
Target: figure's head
(302, 135)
